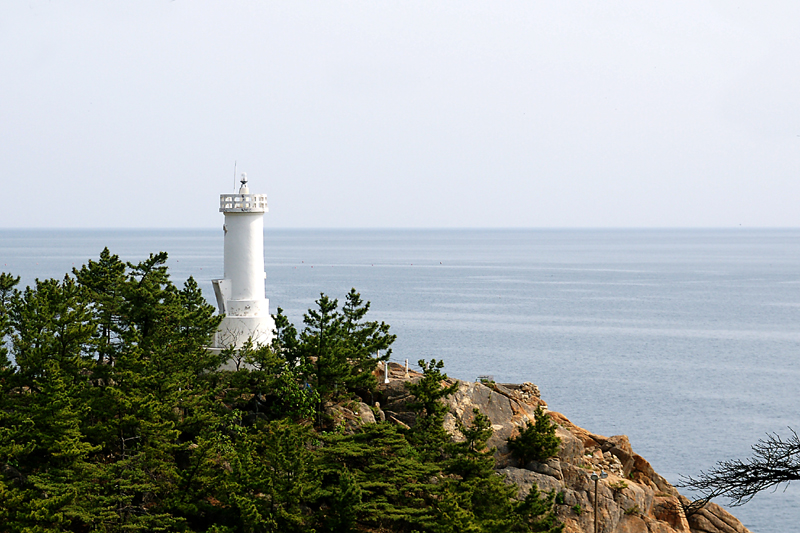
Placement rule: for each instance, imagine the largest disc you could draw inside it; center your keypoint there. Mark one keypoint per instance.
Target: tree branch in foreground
(775, 461)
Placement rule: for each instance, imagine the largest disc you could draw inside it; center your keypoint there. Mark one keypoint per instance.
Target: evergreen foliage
(395, 484)
(428, 434)
(340, 346)
(536, 513)
(115, 417)
(471, 459)
(537, 441)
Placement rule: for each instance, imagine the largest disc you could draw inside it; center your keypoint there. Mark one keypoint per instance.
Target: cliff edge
(632, 499)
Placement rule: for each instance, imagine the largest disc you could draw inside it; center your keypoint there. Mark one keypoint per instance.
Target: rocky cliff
(632, 499)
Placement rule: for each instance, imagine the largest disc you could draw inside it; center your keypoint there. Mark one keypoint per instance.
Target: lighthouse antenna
(234, 175)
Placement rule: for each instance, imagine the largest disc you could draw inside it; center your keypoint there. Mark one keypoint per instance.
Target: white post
(406, 367)
(386, 371)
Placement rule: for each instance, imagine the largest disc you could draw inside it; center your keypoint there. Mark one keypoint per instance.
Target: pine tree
(285, 343)
(397, 487)
(146, 289)
(158, 393)
(428, 434)
(537, 441)
(346, 504)
(50, 321)
(536, 513)
(268, 387)
(341, 346)
(320, 343)
(269, 479)
(481, 505)
(48, 473)
(470, 458)
(7, 284)
(363, 341)
(59, 491)
(488, 505)
(103, 282)
(196, 326)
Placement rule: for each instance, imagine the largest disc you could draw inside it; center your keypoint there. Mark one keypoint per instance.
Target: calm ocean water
(685, 340)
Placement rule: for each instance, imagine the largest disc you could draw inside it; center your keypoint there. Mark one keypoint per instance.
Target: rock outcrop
(632, 499)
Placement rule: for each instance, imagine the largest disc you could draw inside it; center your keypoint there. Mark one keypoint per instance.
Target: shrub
(617, 487)
(537, 441)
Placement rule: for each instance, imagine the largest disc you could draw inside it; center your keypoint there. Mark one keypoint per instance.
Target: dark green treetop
(537, 441)
(342, 346)
(428, 433)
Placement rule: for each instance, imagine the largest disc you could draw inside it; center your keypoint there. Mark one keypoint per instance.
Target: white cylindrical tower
(240, 295)
(244, 254)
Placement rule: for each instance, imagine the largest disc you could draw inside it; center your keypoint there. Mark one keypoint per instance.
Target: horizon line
(401, 228)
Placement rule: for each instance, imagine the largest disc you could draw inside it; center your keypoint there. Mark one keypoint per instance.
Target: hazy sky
(401, 114)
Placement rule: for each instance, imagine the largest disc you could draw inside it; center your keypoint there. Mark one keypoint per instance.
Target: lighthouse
(240, 294)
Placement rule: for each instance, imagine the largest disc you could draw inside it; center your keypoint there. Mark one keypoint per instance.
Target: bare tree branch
(775, 461)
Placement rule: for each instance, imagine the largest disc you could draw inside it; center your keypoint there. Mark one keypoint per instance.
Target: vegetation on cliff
(114, 416)
(537, 441)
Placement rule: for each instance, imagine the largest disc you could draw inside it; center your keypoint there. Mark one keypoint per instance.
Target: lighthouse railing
(255, 202)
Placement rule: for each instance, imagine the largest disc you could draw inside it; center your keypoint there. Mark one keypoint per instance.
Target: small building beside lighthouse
(241, 294)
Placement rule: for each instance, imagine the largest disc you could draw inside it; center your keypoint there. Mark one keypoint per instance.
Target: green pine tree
(103, 281)
(321, 344)
(285, 344)
(267, 477)
(60, 491)
(470, 458)
(537, 441)
(363, 341)
(428, 434)
(397, 487)
(536, 513)
(346, 504)
(340, 347)
(50, 322)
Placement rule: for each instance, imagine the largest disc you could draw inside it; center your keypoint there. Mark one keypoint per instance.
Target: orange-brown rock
(632, 499)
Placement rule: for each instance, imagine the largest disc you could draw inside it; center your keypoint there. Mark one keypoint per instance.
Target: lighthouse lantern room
(240, 294)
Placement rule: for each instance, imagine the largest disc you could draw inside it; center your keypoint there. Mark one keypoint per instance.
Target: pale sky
(401, 113)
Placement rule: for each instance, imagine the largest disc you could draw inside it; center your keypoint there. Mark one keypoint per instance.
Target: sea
(685, 340)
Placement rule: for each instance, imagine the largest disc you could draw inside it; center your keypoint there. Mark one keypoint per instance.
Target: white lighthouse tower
(240, 295)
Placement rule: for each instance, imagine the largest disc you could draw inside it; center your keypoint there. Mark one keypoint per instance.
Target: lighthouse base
(235, 331)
